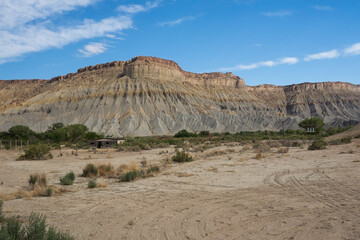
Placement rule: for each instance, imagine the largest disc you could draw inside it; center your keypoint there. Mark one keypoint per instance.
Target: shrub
(36, 229)
(344, 140)
(181, 157)
(317, 144)
(358, 136)
(105, 169)
(49, 191)
(261, 148)
(259, 156)
(92, 184)
(153, 169)
(37, 179)
(90, 170)
(204, 133)
(183, 134)
(68, 179)
(1, 213)
(129, 176)
(36, 152)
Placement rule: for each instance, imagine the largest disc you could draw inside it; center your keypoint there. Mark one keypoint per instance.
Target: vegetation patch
(318, 144)
(92, 183)
(181, 157)
(90, 170)
(36, 229)
(340, 141)
(36, 152)
(68, 179)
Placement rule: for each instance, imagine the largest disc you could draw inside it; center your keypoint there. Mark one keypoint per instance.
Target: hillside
(152, 96)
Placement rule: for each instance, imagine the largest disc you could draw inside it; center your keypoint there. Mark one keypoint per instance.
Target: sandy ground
(298, 195)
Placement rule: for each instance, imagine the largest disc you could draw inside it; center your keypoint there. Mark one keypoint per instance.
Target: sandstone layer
(152, 96)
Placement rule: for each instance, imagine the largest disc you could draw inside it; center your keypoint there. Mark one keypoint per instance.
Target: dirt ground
(297, 195)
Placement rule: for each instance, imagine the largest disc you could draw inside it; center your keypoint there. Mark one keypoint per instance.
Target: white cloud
(93, 49)
(26, 26)
(353, 49)
(34, 38)
(287, 60)
(18, 12)
(177, 21)
(277, 14)
(323, 8)
(136, 8)
(323, 55)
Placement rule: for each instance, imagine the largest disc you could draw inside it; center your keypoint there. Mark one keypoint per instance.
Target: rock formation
(153, 96)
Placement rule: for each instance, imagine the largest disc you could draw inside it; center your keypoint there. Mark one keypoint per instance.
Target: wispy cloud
(26, 26)
(353, 49)
(277, 14)
(323, 8)
(177, 21)
(136, 8)
(323, 55)
(16, 13)
(36, 38)
(287, 60)
(93, 49)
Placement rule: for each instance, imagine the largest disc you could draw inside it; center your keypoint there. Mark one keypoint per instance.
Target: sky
(279, 42)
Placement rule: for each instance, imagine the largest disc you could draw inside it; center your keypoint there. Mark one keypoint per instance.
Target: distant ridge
(154, 96)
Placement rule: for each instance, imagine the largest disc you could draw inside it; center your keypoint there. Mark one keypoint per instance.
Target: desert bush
(36, 152)
(36, 229)
(296, 144)
(357, 136)
(318, 144)
(274, 144)
(90, 170)
(259, 156)
(92, 184)
(181, 157)
(152, 169)
(344, 140)
(106, 169)
(283, 150)
(68, 179)
(49, 191)
(1, 213)
(130, 176)
(261, 148)
(204, 133)
(184, 133)
(37, 179)
(143, 162)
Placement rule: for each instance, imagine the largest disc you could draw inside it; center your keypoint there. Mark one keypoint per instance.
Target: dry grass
(261, 148)
(283, 150)
(101, 185)
(259, 156)
(143, 162)
(213, 169)
(183, 174)
(106, 169)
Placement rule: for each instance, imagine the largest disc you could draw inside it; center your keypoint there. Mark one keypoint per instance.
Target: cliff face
(152, 96)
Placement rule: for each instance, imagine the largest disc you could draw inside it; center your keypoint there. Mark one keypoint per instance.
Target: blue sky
(263, 41)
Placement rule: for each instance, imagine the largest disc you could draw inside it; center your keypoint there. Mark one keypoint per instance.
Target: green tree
(76, 131)
(316, 123)
(21, 132)
(59, 135)
(55, 126)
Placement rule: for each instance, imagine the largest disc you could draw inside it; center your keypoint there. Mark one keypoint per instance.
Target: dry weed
(259, 156)
(183, 174)
(106, 169)
(283, 150)
(213, 169)
(101, 185)
(133, 166)
(143, 162)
